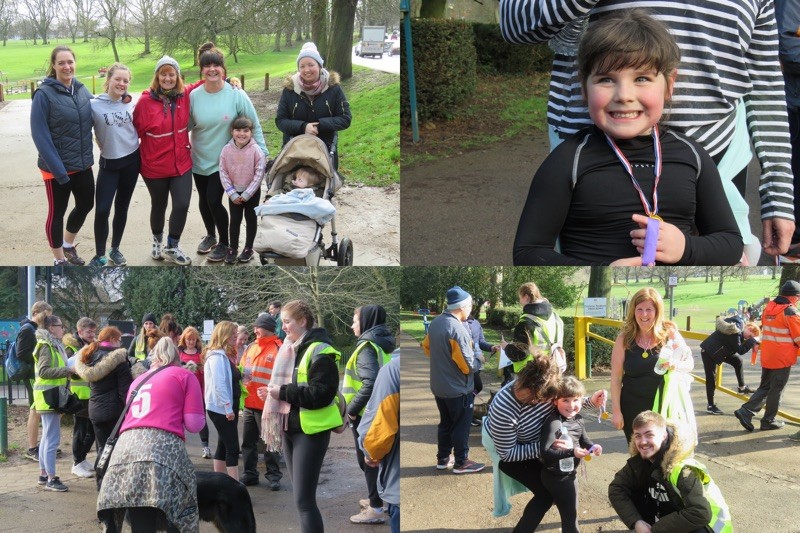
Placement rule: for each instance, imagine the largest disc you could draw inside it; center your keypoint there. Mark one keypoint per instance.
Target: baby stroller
(293, 233)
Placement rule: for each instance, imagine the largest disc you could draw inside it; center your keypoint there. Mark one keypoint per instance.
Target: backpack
(18, 368)
(553, 347)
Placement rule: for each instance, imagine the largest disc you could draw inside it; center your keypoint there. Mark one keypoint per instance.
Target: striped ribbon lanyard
(652, 213)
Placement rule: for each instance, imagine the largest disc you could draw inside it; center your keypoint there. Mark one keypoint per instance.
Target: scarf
(311, 89)
(275, 417)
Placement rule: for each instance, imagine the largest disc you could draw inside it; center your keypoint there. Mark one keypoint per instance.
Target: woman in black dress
(634, 382)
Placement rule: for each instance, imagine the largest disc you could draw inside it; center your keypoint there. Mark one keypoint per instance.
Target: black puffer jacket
(727, 340)
(296, 109)
(109, 377)
(323, 381)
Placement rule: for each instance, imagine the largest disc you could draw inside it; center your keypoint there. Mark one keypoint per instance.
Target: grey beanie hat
(166, 60)
(790, 288)
(310, 50)
(266, 322)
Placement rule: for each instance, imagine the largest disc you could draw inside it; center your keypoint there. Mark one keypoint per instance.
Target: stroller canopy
(303, 150)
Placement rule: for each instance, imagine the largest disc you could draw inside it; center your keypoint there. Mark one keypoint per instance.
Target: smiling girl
(119, 162)
(634, 382)
(596, 192)
(61, 127)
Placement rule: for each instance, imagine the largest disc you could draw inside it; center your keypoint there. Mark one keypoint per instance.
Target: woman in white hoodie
(119, 162)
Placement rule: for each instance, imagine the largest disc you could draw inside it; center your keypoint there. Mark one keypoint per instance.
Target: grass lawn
(518, 105)
(370, 148)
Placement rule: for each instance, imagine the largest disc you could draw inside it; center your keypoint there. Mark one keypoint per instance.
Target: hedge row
(447, 56)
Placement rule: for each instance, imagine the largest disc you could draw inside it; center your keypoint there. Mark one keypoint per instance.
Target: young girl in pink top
(190, 350)
(241, 169)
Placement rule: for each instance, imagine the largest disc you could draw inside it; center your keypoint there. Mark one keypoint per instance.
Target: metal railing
(583, 332)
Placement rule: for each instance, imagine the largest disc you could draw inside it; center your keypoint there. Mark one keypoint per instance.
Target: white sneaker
(368, 516)
(87, 465)
(155, 252)
(175, 255)
(80, 471)
(206, 452)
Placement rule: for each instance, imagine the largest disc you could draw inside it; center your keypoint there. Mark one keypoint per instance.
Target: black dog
(225, 502)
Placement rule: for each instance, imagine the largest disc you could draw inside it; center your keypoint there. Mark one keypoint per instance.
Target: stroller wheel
(344, 257)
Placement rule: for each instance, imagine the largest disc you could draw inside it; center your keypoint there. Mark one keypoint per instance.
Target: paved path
(25, 507)
(759, 472)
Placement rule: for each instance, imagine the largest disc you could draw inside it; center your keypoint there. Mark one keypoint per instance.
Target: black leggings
(81, 186)
(247, 210)
(304, 455)
(710, 368)
(114, 186)
(210, 190)
(529, 473)
(370, 472)
(478, 387)
(228, 438)
(564, 491)
(179, 189)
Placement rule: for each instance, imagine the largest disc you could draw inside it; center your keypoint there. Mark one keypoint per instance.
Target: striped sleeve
(767, 119)
(537, 21)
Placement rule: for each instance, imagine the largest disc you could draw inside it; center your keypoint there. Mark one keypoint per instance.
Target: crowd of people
(208, 132)
(142, 400)
(534, 433)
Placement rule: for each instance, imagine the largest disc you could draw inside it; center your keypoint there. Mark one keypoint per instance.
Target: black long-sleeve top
(551, 431)
(582, 196)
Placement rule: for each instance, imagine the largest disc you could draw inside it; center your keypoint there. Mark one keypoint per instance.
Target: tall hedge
(444, 67)
(496, 55)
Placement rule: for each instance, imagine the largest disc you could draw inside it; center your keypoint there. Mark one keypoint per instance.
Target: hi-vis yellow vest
(317, 420)
(77, 384)
(40, 384)
(720, 515)
(352, 382)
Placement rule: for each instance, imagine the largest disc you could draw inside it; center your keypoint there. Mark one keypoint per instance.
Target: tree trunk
(789, 272)
(340, 56)
(319, 25)
(600, 282)
(277, 41)
(721, 280)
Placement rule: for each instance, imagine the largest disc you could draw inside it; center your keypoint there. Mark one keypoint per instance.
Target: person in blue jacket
(61, 127)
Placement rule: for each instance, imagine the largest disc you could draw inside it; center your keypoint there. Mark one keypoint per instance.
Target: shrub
(444, 68)
(495, 55)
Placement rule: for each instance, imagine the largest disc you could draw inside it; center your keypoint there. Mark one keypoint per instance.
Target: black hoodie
(323, 380)
(372, 319)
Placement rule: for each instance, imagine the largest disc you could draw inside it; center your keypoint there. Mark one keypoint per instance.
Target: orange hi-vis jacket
(260, 357)
(780, 336)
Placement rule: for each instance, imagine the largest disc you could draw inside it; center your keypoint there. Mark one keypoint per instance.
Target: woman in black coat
(313, 102)
(104, 365)
(731, 338)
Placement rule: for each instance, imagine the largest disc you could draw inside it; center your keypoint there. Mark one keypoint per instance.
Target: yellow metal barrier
(583, 331)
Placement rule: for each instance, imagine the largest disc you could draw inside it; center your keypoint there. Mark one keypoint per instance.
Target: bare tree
(320, 24)
(113, 13)
(69, 23)
(8, 10)
(84, 9)
(144, 13)
(41, 14)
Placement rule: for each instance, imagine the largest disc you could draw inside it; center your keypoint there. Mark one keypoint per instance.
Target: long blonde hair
(631, 328)
(219, 337)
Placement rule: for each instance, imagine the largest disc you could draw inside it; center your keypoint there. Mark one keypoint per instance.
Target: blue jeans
(394, 517)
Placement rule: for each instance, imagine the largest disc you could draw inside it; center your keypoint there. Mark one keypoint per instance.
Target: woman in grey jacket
(119, 162)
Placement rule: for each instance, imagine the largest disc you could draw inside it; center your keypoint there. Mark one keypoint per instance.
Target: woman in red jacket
(161, 118)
